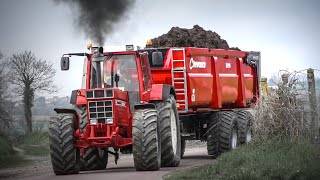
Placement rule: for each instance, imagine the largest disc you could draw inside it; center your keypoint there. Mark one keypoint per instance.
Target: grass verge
(272, 159)
(35, 144)
(8, 157)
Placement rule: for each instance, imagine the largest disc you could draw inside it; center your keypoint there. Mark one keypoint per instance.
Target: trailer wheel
(93, 158)
(64, 156)
(183, 147)
(222, 133)
(245, 119)
(170, 133)
(146, 145)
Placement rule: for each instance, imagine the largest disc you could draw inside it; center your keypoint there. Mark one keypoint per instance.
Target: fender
(161, 91)
(143, 106)
(69, 111)
(78, 99)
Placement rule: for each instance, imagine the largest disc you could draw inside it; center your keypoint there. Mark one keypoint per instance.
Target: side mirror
(157, 59)
(252, 59)
(64, 63)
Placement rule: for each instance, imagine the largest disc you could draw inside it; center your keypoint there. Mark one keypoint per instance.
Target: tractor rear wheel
(223, 133)
(93, 158)
(245, 119)
(183, 147)
(64, 155)
(170, 133)
(146, 145)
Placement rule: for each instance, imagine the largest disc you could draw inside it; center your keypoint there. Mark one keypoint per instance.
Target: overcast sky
(285, 31)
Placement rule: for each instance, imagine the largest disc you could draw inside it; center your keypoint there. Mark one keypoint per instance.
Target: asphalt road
(125, 169)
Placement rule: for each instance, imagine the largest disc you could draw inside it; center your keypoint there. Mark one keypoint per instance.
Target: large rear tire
(170, 133)
(222, 133)
(93, 158)
(183, 148)
(64, 155)
(146, 145)
(245, 120)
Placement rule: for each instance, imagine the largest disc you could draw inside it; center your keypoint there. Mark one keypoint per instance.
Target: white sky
(286, 31)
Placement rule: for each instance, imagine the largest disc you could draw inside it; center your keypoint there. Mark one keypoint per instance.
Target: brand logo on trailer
(197, 64)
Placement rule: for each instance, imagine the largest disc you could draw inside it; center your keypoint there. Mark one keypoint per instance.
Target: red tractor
(149, 101)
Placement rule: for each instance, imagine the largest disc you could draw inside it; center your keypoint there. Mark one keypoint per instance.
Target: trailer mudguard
(161, 91)
(69, 111)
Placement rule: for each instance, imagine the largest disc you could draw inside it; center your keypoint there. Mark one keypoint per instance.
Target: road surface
(125, 169)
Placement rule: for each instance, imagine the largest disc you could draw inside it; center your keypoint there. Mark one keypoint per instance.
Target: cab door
(146, 78)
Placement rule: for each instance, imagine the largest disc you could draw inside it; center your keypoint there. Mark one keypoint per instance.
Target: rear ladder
(179, 80)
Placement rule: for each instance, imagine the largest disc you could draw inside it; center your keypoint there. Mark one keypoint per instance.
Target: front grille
(91, 94)
(100, 110)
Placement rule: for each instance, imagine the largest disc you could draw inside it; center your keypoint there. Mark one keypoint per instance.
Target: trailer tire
(245, 119)
(170, 132)
(223, 133)
(93, 158)
(146, 145)
(183, 148)
(64, 155)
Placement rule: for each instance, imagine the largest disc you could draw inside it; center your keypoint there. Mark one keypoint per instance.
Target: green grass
(8, 157)
(35, 144)
(274, 159)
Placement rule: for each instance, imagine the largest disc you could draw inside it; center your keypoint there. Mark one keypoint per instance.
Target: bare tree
(5, 118)
(30, 75)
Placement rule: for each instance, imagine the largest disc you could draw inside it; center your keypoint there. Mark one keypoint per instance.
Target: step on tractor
(149, 101)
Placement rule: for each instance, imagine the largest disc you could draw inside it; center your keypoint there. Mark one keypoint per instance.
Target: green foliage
(8, 157)
(35, 143)
(271, 159)
(5, 147)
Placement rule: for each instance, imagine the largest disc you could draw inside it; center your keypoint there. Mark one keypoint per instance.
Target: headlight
(109, 120)
(93, 121)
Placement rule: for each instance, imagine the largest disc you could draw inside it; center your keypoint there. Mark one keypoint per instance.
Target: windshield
(120, 71)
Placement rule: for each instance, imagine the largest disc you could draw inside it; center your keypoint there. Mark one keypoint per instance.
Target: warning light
(89, 46)
(149, 42)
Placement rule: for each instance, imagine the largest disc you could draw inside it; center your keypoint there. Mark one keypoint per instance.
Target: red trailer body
(206, 80)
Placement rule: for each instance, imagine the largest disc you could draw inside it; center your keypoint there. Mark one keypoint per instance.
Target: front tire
(64, 155)
(223, 133)
(170, 133)
(146, 145)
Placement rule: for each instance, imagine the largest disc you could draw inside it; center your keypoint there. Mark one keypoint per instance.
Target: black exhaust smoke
(96, 18)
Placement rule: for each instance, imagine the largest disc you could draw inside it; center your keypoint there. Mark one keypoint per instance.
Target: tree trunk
(28, 103)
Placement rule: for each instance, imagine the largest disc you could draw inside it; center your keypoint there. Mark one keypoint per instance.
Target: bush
(285, 112)
(8, 157)
(5, 148)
